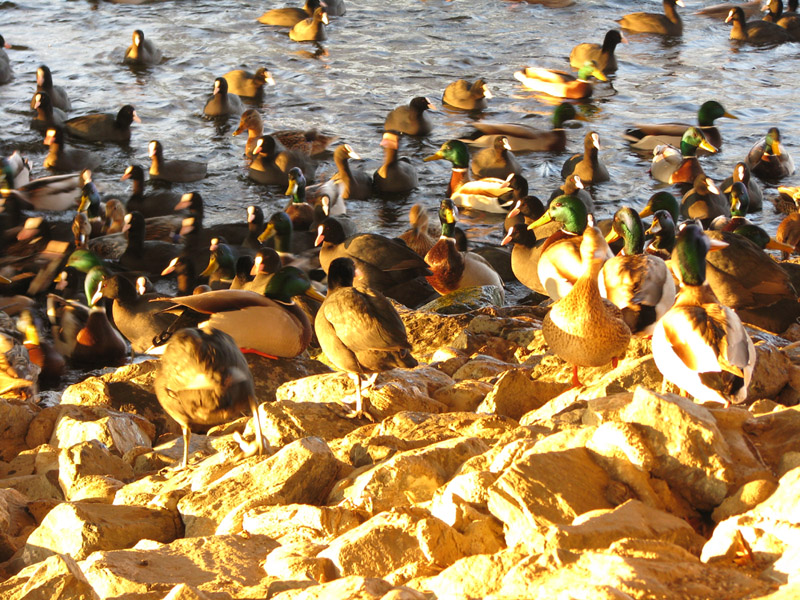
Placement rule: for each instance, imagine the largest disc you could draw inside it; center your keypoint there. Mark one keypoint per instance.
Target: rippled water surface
(380, 55)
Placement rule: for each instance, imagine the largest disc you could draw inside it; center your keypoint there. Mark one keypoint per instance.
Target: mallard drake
(56, 192)
(464, 95)
(603, 56)
(359, 330)
(234, 233)
(272, 162)
(243, 269)
(104, 127)
(175, 170)
(47, 115)
(662, 230)
(639, 284)
(395, 175)
(61, 158)
(452, 269)
(497, 161)
(644, 22)
(383, 264)
(741, 172)
(411, 118)
(704, 201)
(560, 262)
(648, 136)
(205, 380)
(522, 138)
(420, 236)
(755, 32)
(587, 165)
(583, 328)
(313, 28)
(560, 83)
(672, 165)
(573, 186)
(662, 201)
(768, 159)
(525, 256)
(347, 183)
(221, 268)
(153, 203)
(289, 244)
(142, 52)
(489, 195)
(248, 85)
(288, 16)
(700, 345)
(222, 103)
(300, 212)
(58, 95)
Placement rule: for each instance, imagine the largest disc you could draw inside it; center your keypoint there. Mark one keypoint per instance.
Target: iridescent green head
(710, 111)
(693, 139)
(448, 217)
(590, 69)
(628, 225)
(454, 151)
(569, 211)
(740, 200)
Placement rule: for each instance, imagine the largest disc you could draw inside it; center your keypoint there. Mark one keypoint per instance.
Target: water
(380, 55)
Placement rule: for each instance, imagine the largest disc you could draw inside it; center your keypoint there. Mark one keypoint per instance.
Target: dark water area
(380, 55)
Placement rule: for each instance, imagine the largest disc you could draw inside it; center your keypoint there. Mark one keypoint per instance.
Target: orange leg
(257, 352)
(576, 383)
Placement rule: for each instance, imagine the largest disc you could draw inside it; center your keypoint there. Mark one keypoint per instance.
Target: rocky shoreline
(483, 476)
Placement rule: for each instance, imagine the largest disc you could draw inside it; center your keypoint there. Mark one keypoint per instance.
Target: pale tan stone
(119, 432)
(56, 578)
(300, 522)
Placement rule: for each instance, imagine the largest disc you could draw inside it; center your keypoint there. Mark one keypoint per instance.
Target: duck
(300, 212)
(704, 201)
(182, 267)
(768, 159)
(61, 158)
(488, 195)
(411, 118)
(463, 95)
(245, 84)
(573, 186)
(335, 8)
(40, 351)
(141, 254)
(526, 208)
(347, 183)
(58, 95)
(644, 22)
(639, 284)
(395, 175)
(288, 243)
(15, 171)
(603, 56)
(648, 136)
(583, 328)
(47, 115)
(383, 263)
(234, 233)
(496, 161)
(6, 72)
(741, 172)
(525, 256)
(359, 330)
(153, 203)
(307, 141)
(560, 262)
(452, 269)
(560, 83)
(288, 16)
(700, 344)
(255, 225)
(114, 216)
(789, 21)
(522, 138)
(755, 32)
(242, 272)
(266, 262)
(789, 233)
(53, 193)
(420, 236)
(740, 225)
(221, 268)
(222, 103)
(204, 380)
(175, 170)
(662, 200)
(587, 165)
(672, 165)
(313, 28)
(662, 231)
(272, 162)
(142, 52)
(104, 127)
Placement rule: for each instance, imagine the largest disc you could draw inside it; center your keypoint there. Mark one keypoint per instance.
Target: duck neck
(458, 177)
(671, 12)
(389, 157)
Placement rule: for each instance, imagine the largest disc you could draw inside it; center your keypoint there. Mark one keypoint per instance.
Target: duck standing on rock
(204, 380)
(701, 345)
(359, 330)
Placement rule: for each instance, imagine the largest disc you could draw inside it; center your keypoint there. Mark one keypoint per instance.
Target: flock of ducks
(273, 286)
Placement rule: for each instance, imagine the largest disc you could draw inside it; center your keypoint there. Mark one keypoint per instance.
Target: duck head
(569, 211)
(454, 151)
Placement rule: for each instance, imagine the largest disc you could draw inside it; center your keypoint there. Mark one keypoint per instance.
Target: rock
(301, 472)
(80, 528)
(483, 367)
(482, 533)
(183, 591)
(285, 421)
(15, 522)
(428, 331)
(39, 486)
(220, 566)
(294, 523)
(269, 374)
(465, 300)
(770, 374)
(408, 477)
(299, 562)
(15, 416)
(464, 395)
(119, 432)
(516, 393)
(746, 497)
(90, 466)
(40, 429)
(352, 588)
(391, 540)
(775, 434)
(56, 578)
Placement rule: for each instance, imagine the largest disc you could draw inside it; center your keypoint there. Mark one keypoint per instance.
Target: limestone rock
(293, 523)
(91, 460)
(15, 522)
(352, 588)
(301, 472)
(219, 566)
(770, 374)
(284, 421)
(57, 578)
(119, 432)
(183, 591)
(775, 434)
(80, 528)
(464, 395)
(15, 416)
(516, 393)
(482, 533)
(428, 331)
(299, 562)
(482, 366)
(394, 539)
(746, 497)
(40, 429)
(39, 486)
(269, 374)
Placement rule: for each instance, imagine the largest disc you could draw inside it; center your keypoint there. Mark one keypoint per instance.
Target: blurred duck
(662, 231)
(396, 175)
(789, 21)
(704, 202)
(104, 127)
(347, 183)
(47, 116)
(183, 269)
(662, 201)
(497, 161)
(289, 16)
(700, 345)
(573, 186)
(142, 52)
(308, 141)
(58, 95)
(768, 159)
(583, 328)
(741, 172)
(411, 118)
(61, 158)
(789, 233)
(560, 83)
(603, 56)
(175, 170)
(272, 162)
(6, 72)
(142, 254)
(648, 136)
(420, 237)
(464, 95)
(15, 171)
(671, 165)
(667, 24)
(151, 203)
(587, 165)
(313, 28)
(248, 85)
(222, 103)
(525, 256)
(56, 192)
(359, 330)
(300, 212)
(755, 32)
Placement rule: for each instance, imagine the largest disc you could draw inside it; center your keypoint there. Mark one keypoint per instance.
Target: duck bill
(545, 218)
(185, 202)
(51, 135)
(612, 236)
(437, 156)
(170, 268)
(96, 296)
(705, 145)
(729, 115)
(774, 244)
(126, 175)
(84, 203)
(211, 268)
(320, 236)
(507, 240)
(268, 232)
(291, 189)
(717, 245)
(598, 74)
(256, 266)
(680, 3)
(515, 210)
(270, 80)
(314, 294)
(776, 148)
